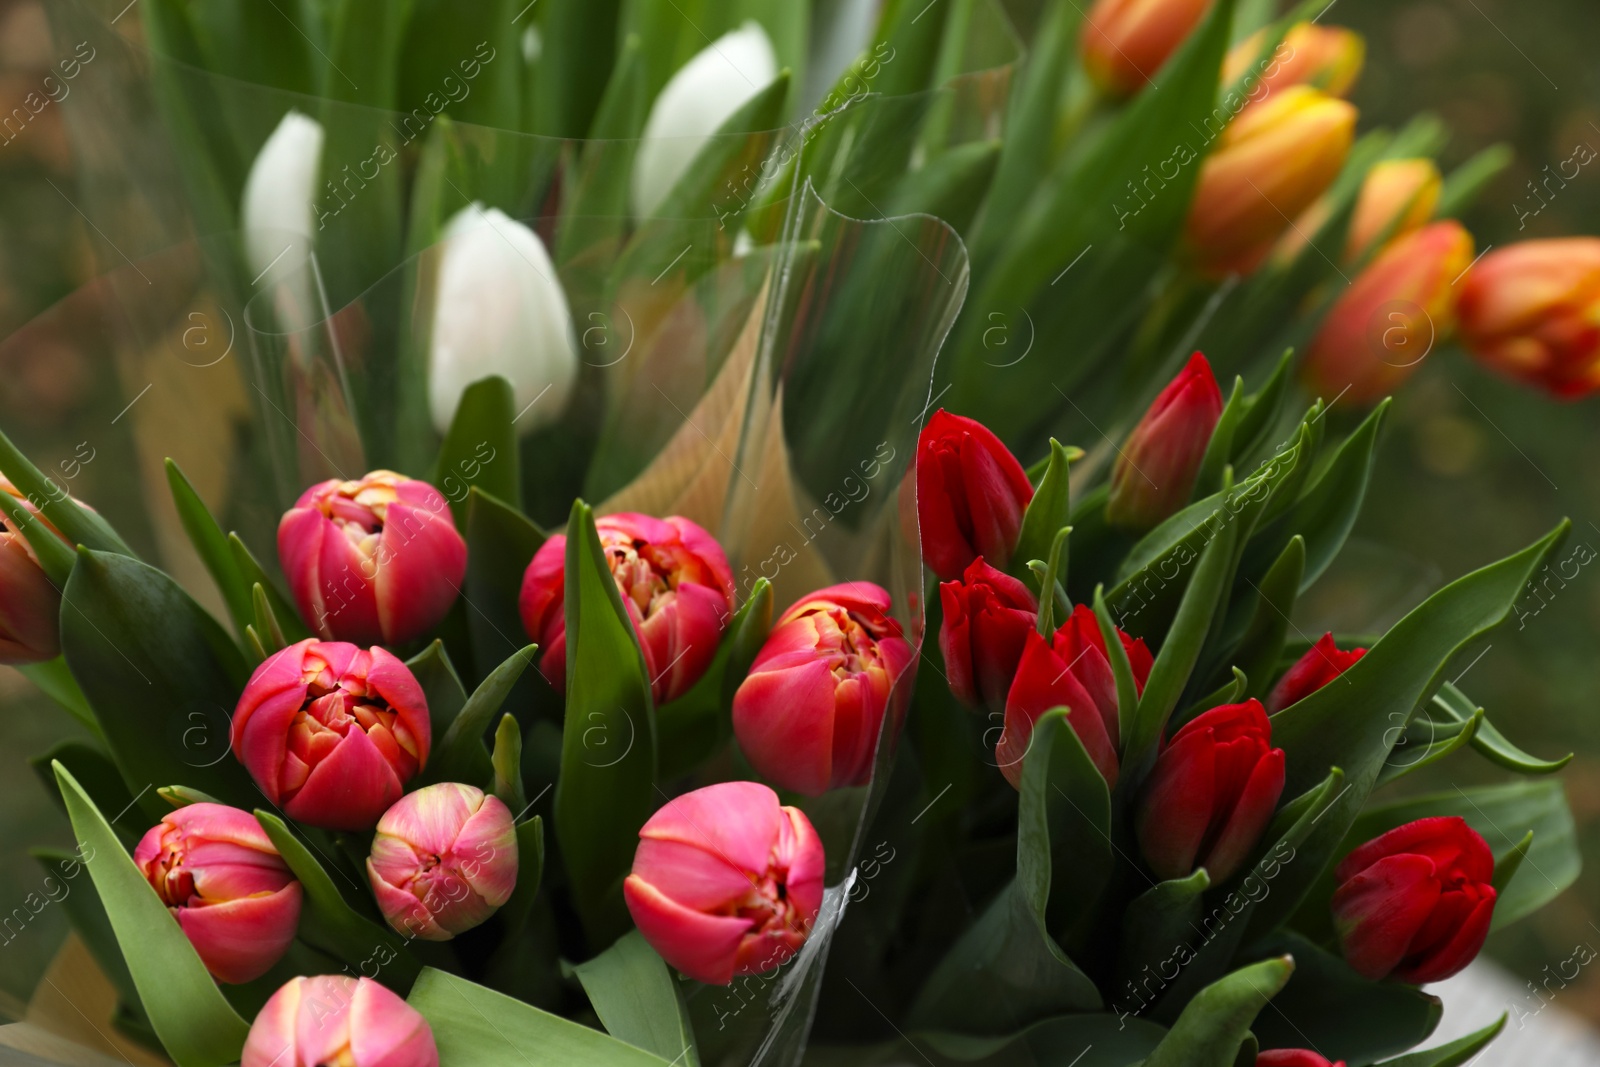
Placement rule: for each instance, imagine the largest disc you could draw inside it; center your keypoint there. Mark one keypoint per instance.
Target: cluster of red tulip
(1530, 310)
(1414, 903)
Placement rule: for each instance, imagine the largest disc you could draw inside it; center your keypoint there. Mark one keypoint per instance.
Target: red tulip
(971, 495)
(1293, 1057)
(30, 604)
(674, 580)
(338, 1020)
(374, 560)
(1531, 310)
(1416, 902)
(988, 616)
(725, 881)
(1324, 662)
(215, 869)
(331, 733)
(1211, 793)
(1070, 671)
(809, 714)
(1125, 42)
(1158, 464)
(443, 861)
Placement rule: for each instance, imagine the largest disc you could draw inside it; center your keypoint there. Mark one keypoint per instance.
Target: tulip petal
(1379, 910)
(385, 1031)
(1461, 949)
(783, 720)
(239, 940)
(1177, 806)
(704, 947)
(1249, 817)
(423, 560)
(272, 1035)
(349, 789)
(737, 821)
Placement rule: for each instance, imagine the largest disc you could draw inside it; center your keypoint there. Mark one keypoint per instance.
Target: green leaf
(1049, 582)
(481, 448)
(55, 681)
(607, 788)
(1063, 828)
(1490, 742)
(1453, 1053)
(575, 63)
(161, 675)
(1047, 513)
(1506, 867)
(1216, 1022)
(637, 1000)
(88, 916)
(1355, 724)
(1258, 650)
(294, 628)
(99, 778)
(55, 555)
(329, 923)
(501, 542)
(77, 524)
(212, 546)
(507, 760)
(692, 727)
(459, 756)
(530, 872)
(1158, 921)
(196, 1025)
(1425, 742)
(1110, 1040)
(1462, 185)
(266, 626)
(596, 215)
(477, 1027)
(950, 186)
(440, 685)
(1121, 669)
(181, 796)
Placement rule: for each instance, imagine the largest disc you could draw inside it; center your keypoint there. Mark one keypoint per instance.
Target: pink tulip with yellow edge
(333, 1020)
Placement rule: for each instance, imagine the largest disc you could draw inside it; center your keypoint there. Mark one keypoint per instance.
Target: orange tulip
(1124, 42)
(1391, 317)
(1532, 311)
(1270, 164)
(1324, 57)
(1398, 196)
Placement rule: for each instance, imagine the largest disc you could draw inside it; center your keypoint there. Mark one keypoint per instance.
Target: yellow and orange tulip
(1532, 311)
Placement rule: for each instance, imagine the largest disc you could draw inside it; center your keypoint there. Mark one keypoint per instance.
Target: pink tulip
(726, 882)
(30, 604)
(444, 859)
(675, 583)
(338, 1021)
(809, 714)
(331, 732)
(374, 560)
(234, 897)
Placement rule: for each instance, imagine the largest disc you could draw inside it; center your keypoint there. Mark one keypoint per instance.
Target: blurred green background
(1472, 468)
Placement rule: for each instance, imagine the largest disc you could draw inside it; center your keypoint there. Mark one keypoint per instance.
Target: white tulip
(704, 93)
(279, 198)
(499, 309)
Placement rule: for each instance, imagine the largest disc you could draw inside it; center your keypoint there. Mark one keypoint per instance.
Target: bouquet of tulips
(1088, 794)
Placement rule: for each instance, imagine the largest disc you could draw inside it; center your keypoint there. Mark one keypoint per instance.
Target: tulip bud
(725, 881)
(336, 1019)
(1397, 197)
(1071, 671)
(1158, 464)
(1211, 793)
(331, 732)
(988, 616)
(695, 102)
(675, 582)
(1125, 42)
(216, 870)
(1328, 58)
(809, 713)
(971, 495)
(443, 861)
(279, 199)
(1382, 327)
(499, 309)
(1271, 162)
(1321, 664)
(1293, 1057)
(1531, 310)
(1415, 903)
(373, 560)
(30, 604)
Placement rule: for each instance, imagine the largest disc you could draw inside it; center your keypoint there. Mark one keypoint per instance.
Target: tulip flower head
(1328, 58)
(809, 714)
(971, 495)
(499, 309)
(1158, 464)
(30, 603)
(726, 882)
(1321, 664)
(373, 560)
(1069, 670)
(699, 98)
(1531, 311)
(334, 1019)
(280, 194)
(1391, 317)
(1415, 903)
(1270, 163)
(444, 859)
(675, 583)
(331, 732)
(1211, 793)
(988, 616)
(1125, 42)
(1293, 1057)
(217, 872)
(1397, 197)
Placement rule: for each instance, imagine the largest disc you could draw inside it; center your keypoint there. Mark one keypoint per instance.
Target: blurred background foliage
(1472, 469)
